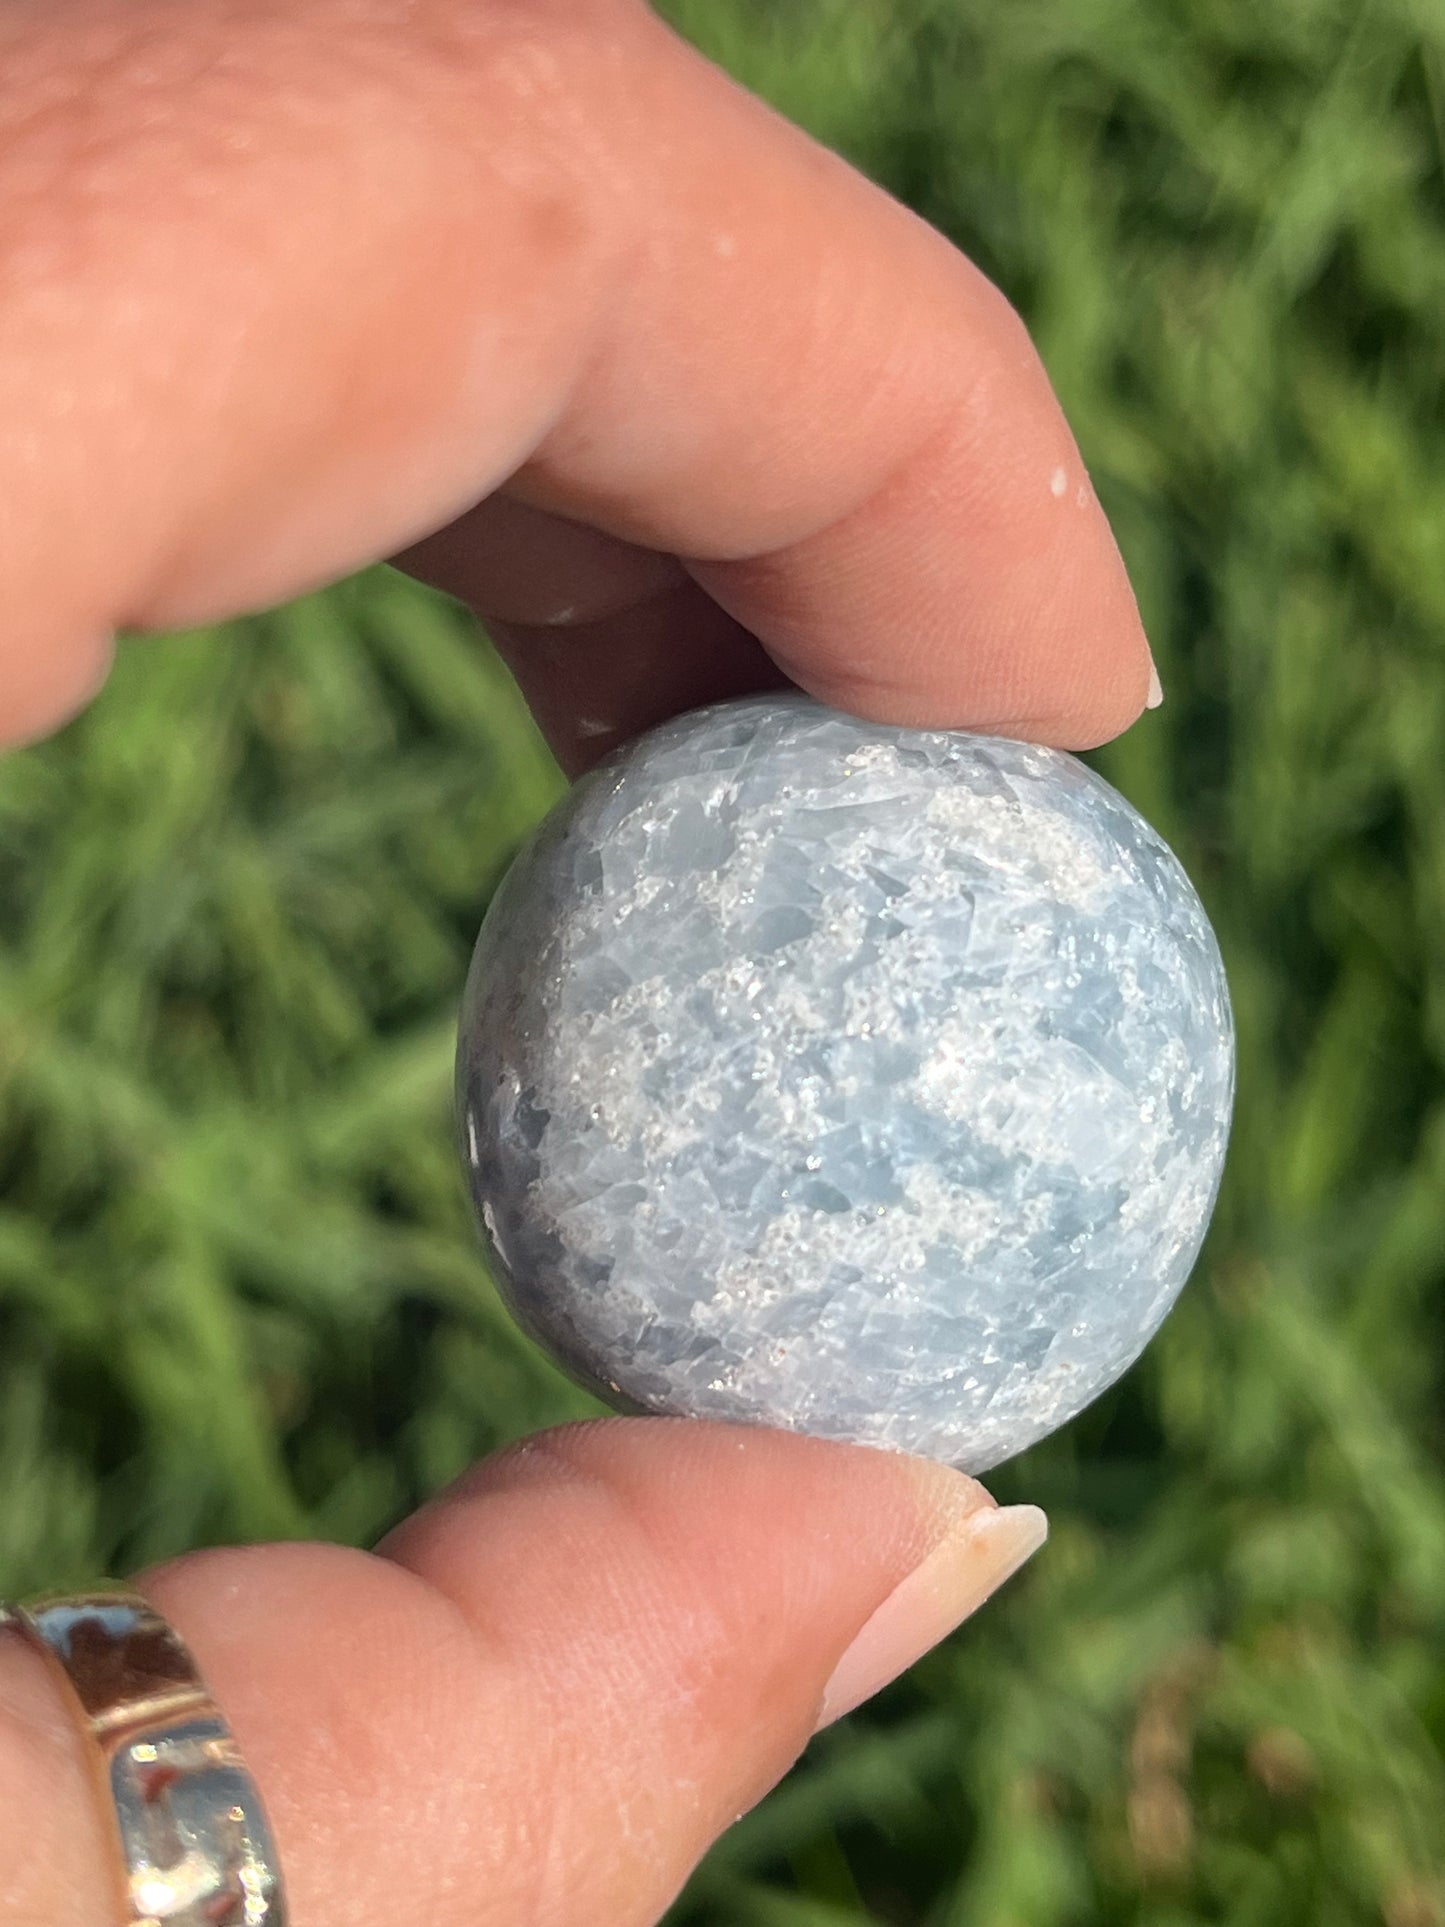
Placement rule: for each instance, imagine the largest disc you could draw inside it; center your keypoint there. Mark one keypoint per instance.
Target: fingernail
(1156, 689)
(982, 1550)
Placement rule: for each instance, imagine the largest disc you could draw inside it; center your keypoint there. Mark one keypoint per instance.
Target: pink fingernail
(982, 1550)
(1156, 689)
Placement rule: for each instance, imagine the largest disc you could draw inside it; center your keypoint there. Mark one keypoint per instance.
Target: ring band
(196, 1847)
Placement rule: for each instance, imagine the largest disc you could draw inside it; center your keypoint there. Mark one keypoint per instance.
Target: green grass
(238, 1295)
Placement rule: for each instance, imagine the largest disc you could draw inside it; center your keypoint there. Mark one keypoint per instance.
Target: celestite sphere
(865, 1081)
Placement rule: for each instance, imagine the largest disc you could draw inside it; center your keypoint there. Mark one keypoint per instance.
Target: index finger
(291, 287)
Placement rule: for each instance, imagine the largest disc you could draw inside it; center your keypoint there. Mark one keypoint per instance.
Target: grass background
(238, 1294)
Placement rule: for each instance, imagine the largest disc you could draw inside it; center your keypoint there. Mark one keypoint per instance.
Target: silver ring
(195, 1847)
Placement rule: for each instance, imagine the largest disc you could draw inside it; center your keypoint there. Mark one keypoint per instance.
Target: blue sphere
(866, 1081)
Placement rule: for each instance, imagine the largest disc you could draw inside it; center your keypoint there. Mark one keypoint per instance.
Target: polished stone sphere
(867, 1081)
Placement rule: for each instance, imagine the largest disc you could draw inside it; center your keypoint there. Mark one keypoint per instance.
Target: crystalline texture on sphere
(866, 1081)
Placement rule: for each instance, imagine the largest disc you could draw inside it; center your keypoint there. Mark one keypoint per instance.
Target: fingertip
(942, 1495)
(964, 593)
(42, 689)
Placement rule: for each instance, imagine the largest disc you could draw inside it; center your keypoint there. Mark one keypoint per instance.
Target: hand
(679, 403)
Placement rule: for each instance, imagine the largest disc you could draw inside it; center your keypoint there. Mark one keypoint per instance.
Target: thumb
(560, 1682)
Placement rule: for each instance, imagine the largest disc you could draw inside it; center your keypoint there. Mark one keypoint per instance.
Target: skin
(527, 294)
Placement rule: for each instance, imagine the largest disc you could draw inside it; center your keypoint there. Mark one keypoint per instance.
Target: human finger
(555, 1686)
(291, 287)
(605, 638)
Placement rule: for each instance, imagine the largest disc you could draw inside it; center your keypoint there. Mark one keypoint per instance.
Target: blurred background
(239, 1295)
